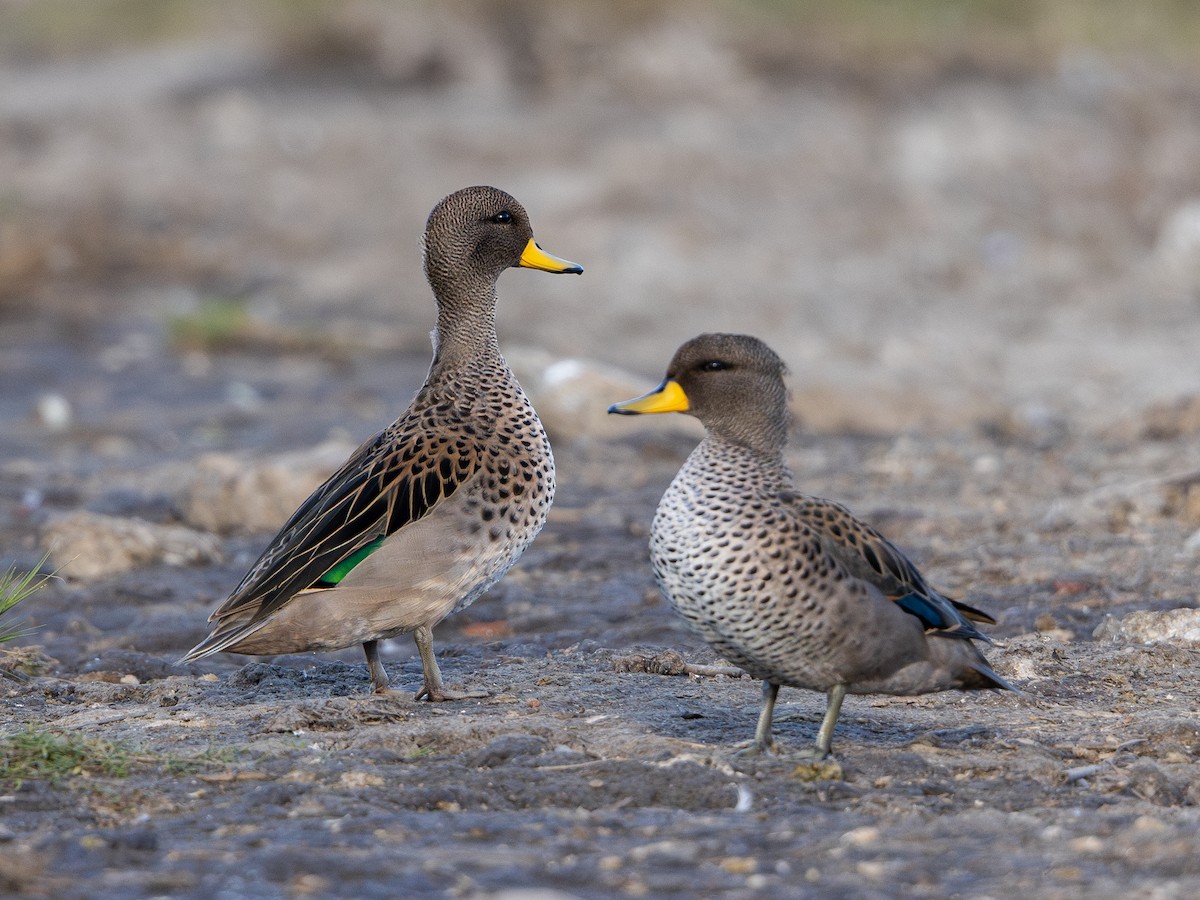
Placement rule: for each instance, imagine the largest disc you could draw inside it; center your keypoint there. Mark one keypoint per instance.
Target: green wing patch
(342, 569)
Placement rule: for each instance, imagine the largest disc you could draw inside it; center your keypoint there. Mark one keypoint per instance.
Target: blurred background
(984, 212)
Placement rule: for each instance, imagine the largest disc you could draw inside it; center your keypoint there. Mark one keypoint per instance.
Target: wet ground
(1009, 402)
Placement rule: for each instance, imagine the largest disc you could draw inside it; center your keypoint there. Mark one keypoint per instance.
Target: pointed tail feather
(970, 612)
(221, 639)
(985, 679)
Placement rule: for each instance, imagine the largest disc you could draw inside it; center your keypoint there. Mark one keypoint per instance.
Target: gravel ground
(983, 276)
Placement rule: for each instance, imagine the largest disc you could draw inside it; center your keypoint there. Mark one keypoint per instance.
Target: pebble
(360, 779)
(228, 494)
(739, 865)
(1149, 825)
(1087, 844)
(678, 851)
(861, 837)
(1178, 626)
(1178, 244)
(871, 869)
(54, 411)
(85, 546)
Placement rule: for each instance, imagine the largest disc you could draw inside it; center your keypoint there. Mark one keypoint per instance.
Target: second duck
(792, 588)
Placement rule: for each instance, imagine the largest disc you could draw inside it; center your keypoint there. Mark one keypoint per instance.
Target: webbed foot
(439, 694)
(756, 750)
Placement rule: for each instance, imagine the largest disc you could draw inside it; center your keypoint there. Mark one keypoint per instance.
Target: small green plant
(14, 589)
(37, 753)
(219, 323)
(34, 753)
(213, 757)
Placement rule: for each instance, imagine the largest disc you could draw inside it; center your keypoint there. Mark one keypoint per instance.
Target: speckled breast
(725, 559)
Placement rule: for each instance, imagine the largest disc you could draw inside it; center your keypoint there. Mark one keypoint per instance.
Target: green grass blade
(15, 588)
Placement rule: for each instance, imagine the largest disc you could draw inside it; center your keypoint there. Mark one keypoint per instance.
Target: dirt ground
(983, 270)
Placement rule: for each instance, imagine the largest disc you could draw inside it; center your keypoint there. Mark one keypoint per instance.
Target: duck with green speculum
(433, 510)
(792, 588)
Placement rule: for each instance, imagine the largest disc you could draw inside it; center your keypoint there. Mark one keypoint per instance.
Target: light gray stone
(228, 493)
(1176, 626)
(85, 546)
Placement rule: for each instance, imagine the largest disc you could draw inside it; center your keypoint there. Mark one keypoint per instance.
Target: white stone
(54, 411)
(84, 546)
(1177, 626)
(228, 493)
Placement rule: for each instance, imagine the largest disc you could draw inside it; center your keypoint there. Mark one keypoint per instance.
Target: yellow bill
(534, 257)
(667, 397)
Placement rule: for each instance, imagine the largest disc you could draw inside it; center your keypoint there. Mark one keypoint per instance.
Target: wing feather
(397, 477)
(868, 555)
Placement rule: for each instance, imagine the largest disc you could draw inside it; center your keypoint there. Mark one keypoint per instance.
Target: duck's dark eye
(714, 365)
(502, 218)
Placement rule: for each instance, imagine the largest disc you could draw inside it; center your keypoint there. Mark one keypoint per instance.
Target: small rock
(818, 770)
(506, 749)
(140, 839)
(231, 494)
(1089, 843)
(666, 662)
(1150, 627)
(1192, 544)
(85, 546)
(685, 852)
(871, 869)
(1178, 244)
(1147, 780)
(358, 779)
(1169, 420)
(861, 837)
(1149, 825)
(739, 865)
(54, 411)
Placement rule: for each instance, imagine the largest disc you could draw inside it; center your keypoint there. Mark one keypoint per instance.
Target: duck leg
(433, 689)
(823, 749)
(763, 742)
(379, 676)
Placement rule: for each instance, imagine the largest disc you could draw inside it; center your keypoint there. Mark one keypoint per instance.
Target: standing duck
(434, 509)
(792, 588)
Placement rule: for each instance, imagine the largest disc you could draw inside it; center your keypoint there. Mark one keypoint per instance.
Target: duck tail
(222, 637)
(979, 676)
(970, 612)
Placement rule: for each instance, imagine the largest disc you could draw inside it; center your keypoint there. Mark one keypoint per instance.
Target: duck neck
(760, 462)
(466, 326)
(764, 435)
